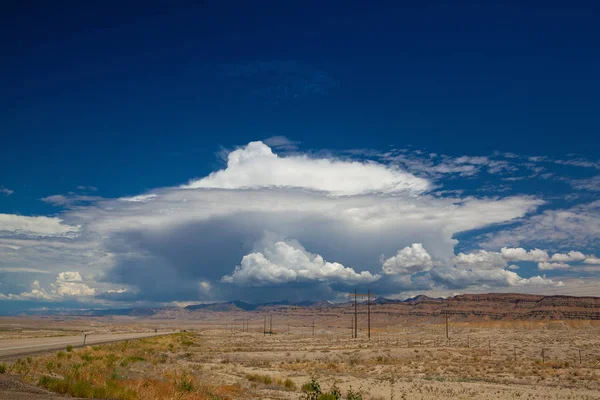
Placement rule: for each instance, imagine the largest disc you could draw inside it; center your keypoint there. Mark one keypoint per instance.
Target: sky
(157, 154)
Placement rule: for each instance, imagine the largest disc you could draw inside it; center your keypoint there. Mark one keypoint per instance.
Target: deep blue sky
(132, 95)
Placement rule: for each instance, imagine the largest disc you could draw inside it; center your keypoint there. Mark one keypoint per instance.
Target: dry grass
(151, 368)
(400, 363)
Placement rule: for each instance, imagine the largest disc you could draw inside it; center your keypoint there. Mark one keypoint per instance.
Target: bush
(289, 384)
(2, 368)
(185, 385)
(312, 391)
(69, 348)
(352, 395)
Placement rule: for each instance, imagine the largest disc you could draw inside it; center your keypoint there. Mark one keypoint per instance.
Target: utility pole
(313, 328)
(270, 324)
(355, 322)
(265, 327)
(447, 337)
(369, 313)
(355, 315)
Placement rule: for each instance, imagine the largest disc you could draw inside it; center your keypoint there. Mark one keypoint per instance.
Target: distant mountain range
(493, 306)
(234, 305)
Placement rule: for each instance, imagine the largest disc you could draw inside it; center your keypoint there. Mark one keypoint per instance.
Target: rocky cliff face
(496, 306)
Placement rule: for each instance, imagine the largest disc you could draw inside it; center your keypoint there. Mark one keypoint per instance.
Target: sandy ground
(481, 360)
(478, 362)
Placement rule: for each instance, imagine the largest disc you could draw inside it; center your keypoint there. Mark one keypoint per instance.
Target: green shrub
(352, 395)
(2, 368)
(69, 348)
(185, 385)
(289, 384)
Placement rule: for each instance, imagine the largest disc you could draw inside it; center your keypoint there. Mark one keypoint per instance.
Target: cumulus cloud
(410, 260)
(67, 284)
(553, 265)
(256, 166)
(497, 277)
(520, 254)
(480, 260)
(287, 261)
(569, 257)
(592, 260)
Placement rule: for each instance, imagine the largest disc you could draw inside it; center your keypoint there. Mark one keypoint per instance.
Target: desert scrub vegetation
(143, 369)
(280, 383)
(312, 391)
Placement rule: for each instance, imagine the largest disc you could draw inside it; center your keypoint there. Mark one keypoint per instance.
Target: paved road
(16, 347)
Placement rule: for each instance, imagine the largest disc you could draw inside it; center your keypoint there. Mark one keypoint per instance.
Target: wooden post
(468, 341)
(543, 356)
(369, 313)
(489, 347)
(313, 328)
(515, 351)
(579, 356)
(265, 327)
(271, 324)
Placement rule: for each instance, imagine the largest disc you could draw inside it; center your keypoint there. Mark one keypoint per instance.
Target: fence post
(543, 356)
(579, 356)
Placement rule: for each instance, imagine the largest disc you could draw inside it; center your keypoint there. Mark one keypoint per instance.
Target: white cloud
(569, 257)
(35, 226)
(24, 270)
(410, 260)
(520, 254)
(287, 261)
(592, 260)
(178, 243)
(256, 166)
(139, 199)
(550, 266)
(513, 267)
(6, 191)
(68, 284)
(497, 277)
(69, 276)
(576, 227)
(87, 188)
(590, 184)
(480, 260)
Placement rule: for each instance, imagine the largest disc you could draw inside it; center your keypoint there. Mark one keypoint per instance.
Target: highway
(17, 347)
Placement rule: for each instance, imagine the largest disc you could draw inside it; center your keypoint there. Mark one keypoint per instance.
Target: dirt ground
(480, 360)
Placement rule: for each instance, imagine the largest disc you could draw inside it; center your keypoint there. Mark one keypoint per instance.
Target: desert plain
(275, 353)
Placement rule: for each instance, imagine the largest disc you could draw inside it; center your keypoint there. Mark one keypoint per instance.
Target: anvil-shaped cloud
(295, 226)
